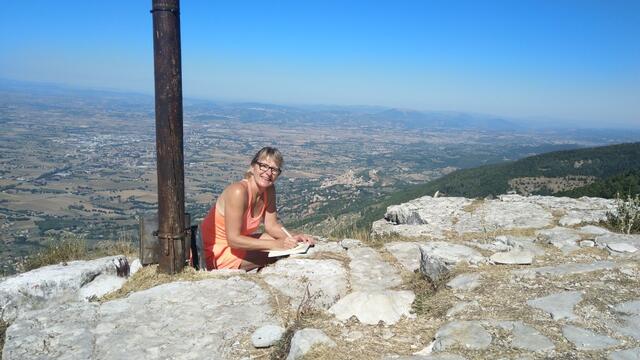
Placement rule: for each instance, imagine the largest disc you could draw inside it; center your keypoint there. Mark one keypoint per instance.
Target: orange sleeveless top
(218, 253)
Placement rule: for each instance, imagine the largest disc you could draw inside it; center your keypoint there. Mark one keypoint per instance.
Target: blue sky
(576, 60)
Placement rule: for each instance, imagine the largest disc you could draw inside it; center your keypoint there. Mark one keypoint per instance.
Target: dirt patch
(475, 204)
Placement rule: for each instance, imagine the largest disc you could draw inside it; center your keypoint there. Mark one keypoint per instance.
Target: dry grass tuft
(475, 204)
(148, 277)
(118, 247)
(433, 299)
(303, 315)
(68, 247)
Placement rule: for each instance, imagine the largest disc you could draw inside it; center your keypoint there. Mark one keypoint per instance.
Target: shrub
(625, 218)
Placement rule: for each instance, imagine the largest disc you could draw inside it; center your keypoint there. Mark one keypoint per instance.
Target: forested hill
(598, 163)
(591, 171)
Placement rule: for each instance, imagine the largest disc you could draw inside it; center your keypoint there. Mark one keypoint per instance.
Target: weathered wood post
(170, 157)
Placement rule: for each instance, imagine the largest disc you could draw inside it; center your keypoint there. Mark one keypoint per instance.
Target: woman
(229, 230)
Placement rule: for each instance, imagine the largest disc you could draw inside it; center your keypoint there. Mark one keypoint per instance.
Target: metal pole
(168, 91)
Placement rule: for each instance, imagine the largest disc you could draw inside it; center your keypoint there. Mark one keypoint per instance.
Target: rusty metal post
(170, 157)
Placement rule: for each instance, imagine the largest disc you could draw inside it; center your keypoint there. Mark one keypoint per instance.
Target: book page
(300, 249)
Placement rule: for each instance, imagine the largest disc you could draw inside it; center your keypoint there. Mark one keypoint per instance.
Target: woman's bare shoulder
(235, 191)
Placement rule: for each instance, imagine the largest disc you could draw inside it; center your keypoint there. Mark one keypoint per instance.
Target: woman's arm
(235, 205)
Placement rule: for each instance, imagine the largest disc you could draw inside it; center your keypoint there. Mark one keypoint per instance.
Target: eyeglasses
(264, 167)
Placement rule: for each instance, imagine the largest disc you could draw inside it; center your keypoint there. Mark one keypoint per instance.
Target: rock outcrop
(515, 277)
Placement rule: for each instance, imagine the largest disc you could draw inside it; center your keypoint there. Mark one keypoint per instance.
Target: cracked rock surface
(508, 278)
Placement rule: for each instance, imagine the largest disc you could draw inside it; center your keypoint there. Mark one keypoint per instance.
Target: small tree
(625, 217)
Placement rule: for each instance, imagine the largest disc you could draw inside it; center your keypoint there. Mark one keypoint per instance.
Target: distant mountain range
(206, 110)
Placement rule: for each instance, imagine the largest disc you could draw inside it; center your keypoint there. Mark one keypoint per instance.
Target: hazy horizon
(571, 62)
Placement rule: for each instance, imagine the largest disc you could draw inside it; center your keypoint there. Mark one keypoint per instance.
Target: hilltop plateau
(446, 278)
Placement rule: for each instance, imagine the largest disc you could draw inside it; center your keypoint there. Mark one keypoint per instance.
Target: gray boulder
(564, 239)
(49, 284)
(438, 258)
(266, 336)
(100, 286)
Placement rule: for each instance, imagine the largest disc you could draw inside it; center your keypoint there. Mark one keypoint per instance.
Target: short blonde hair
(264, 153)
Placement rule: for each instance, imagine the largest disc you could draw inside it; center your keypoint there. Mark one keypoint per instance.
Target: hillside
(593, 171)
(627, 183)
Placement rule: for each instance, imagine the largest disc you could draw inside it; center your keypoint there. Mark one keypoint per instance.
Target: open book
(300, 249)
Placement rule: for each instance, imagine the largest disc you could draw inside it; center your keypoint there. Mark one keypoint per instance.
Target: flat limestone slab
(460, 307)
(407, 254)
(369, 272)
(372, 307)
(523, 336)
(515, 257)
(625, 245)
(156, 323)
(465, 282)
(559, 305)
(62, 332)
(41, 287)
(565, 269)
(436, 356)
(629, 307)
(521, 243)
(585, 339)
(468, 334)
(563, 238)
(327, 280)
(630, 354)
(627, 325)
(497, 214)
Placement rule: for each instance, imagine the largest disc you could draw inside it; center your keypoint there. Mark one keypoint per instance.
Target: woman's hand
(304, 238)
(288, 243)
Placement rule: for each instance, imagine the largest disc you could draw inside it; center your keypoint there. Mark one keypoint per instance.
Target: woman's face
(265, 171)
